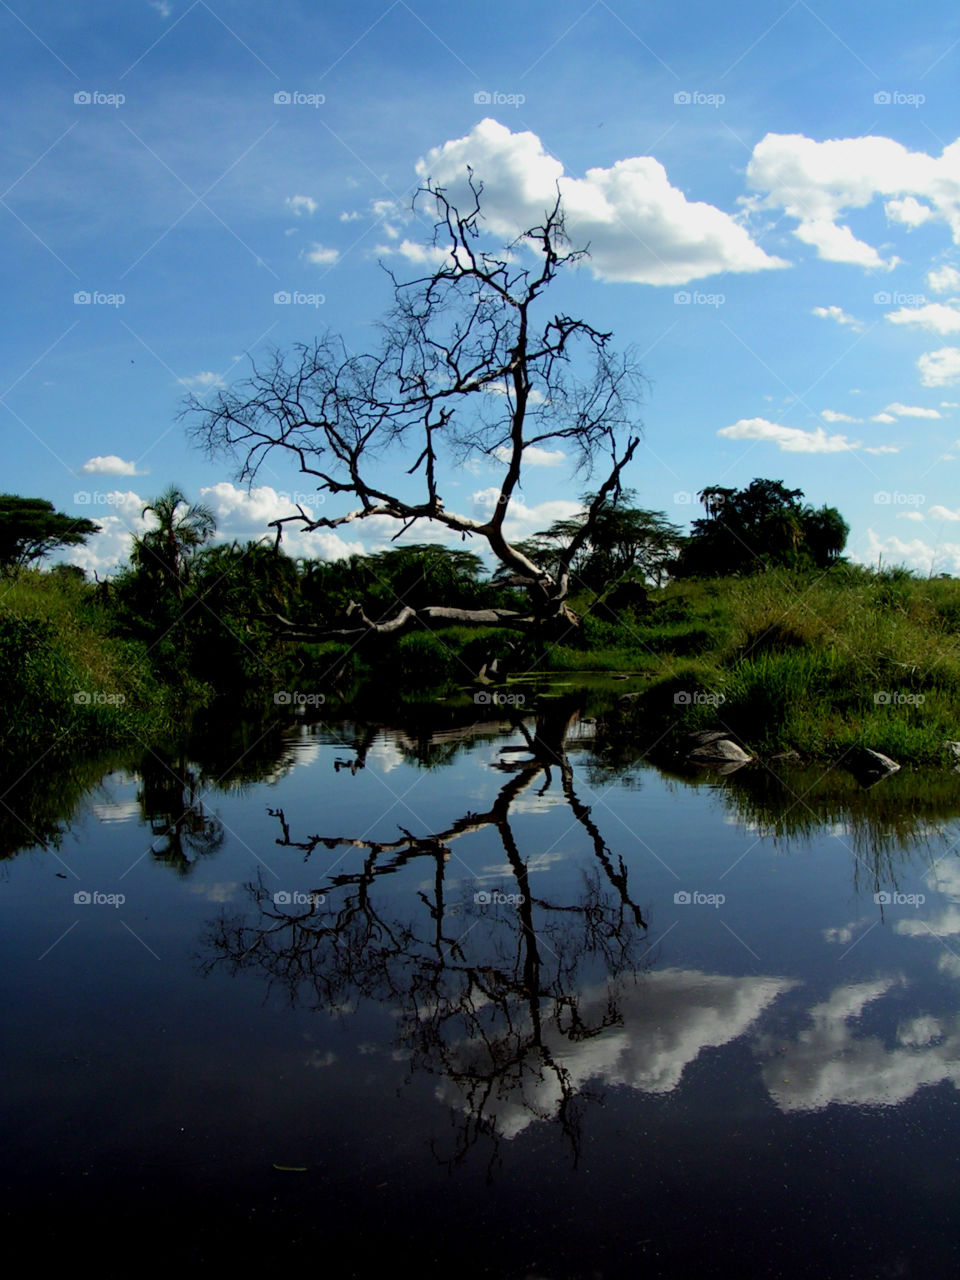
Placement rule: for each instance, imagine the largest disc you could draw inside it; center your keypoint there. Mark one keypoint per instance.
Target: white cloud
(883, 417)
(534, 456)
(915, 554)
(110, 465)
(205, 381)
(522, 521)
(299, 205)
(828, 1063)
(911, 411)
(838, 314)
(943, 279)
(817, 183)
(244, 514)
(935, 317)
(789, 439)
(639, 227)
(320, 256)
(940, 368)
(162, 7)
(831, 415)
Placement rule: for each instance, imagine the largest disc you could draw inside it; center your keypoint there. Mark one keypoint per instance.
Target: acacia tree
(471, 367)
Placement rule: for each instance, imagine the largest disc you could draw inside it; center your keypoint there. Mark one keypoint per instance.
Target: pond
(483, 996)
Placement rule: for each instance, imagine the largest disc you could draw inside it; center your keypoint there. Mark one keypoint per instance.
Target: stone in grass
(869, 766)
(719, 749)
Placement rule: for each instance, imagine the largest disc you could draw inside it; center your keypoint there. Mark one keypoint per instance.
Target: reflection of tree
(170, 798)
(475, 982)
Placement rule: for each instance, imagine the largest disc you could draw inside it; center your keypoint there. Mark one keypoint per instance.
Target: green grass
(63, 677)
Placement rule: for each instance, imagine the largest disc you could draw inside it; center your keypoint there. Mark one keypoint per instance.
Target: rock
(719, 751)
(869, 766)
(706, 736)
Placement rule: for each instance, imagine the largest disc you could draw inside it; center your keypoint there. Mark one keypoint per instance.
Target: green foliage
(763, 525)
(31, 527)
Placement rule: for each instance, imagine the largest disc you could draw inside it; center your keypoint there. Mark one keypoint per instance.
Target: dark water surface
(433, 998)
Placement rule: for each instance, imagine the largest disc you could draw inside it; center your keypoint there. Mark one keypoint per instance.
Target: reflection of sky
(668, 1018)
(828, 1063)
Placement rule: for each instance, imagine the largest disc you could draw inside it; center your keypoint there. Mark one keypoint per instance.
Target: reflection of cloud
(829, 1063)
(668, 1018)
(318, 1059)
(842, 933)
(116, 810)
(222, 891)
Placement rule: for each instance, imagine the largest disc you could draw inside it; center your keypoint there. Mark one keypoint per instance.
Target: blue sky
(793, 172)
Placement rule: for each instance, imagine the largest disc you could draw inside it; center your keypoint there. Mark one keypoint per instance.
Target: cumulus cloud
(299, 205)
(940, 368)
(207, 380)
(110, 465)
(321, 256)
(838, 314)
(883, 417)
(829, 1063)
(914, 554)
(794, 439)
(534, 456)
(639, 227)
(943, 279)
(831, 415)
(910, 411)
(935, 317)
(523, 521)
(245, 514)
(818, 183)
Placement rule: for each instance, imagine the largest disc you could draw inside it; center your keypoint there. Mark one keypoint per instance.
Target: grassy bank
(811, 663)
(64, 679)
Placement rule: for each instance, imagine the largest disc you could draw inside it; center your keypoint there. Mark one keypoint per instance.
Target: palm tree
(182, 528)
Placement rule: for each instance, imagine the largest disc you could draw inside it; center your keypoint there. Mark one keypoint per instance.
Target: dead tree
(471, 366)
